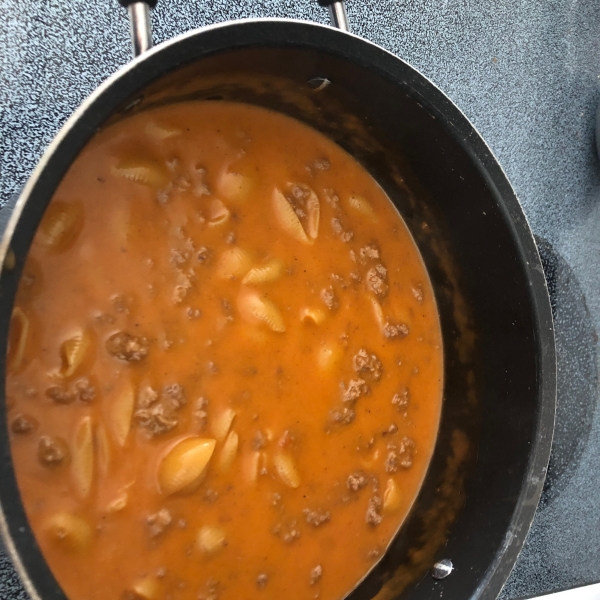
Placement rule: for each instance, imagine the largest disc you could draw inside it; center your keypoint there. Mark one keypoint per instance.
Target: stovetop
(527, 74)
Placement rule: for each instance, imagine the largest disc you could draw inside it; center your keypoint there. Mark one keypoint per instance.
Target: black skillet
(482, 488)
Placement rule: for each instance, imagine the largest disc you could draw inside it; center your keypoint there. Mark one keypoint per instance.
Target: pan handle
(141, 26)
(337, 13)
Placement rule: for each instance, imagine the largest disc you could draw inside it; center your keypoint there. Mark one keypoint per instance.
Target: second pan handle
(141, 27)
(338, 14)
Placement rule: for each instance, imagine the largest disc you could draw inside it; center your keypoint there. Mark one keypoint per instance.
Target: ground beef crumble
(81, 389)
(342, 416)
(321, 164)
(159, 522)
(211, 591)
(357, 481)
(401, 399)
(377, 280)
(417, 292)
(127, 347)
(201, 411)
(367, 365)
(210, 496)
(329, 298)
(288, 532)
(157, 414)
(193, 313)
(23, 424)
(316, 518)
(179, 257)
(392, 462)
(339, 231)
(316, 574)
(290, 536)
(406, 453)
(60, 395)
(84, 391)
(400, 456)
(331, 197)
(373, 516)
(393, 428)
(182, 287)
(391, 330)
(52, 451)
(370, 252)
(354, 390)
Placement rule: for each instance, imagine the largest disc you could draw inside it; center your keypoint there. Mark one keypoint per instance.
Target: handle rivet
(442, 569)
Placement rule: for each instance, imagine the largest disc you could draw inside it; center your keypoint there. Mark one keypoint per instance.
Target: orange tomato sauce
(225, 366)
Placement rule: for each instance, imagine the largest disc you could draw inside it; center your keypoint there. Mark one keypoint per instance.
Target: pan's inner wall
(417, 145)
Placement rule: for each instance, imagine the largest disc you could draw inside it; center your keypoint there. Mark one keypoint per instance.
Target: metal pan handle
(337, 13)
(141, 26)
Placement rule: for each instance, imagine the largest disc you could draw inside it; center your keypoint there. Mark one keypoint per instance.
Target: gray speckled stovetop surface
(526, 73)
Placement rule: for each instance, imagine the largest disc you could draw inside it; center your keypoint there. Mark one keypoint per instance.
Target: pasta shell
(251, 466)
(69, 532)
(102, 449)
(313, 210)
(211, 539)
(218, 213)
(144, 171)
(184, 466)
(362, 206)
(392, 496)
(144, 589)
(288, 219)
(286, 469)
(378, 312)
(328, 356)
(229, 451)
(121, 407)
(270, 271)
(18, 337)
(119, 503)
(61, 225)
(161, 131)
(234, 186)
(221, 424)
(82, 458)
(74, 351)
(255, 309)
(233, 263)
(311, 315)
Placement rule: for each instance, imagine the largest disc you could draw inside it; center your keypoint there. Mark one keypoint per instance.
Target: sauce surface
(225, 365)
